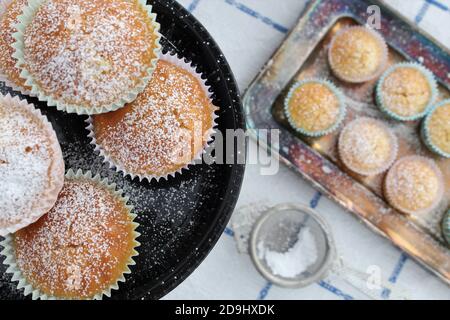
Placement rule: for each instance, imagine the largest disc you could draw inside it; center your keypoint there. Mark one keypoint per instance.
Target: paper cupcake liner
(26, 18)
(425, 134)
(209, 134)
(384, 57)
(334, 89)
(446, 227)
(387, 164)
(18, 276)
(4, 77)
(431, 80)
(440, 193)
(48, 199)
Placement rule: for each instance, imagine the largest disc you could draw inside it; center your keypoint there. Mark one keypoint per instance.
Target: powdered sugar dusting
(25, 159)
(13, 8)
(82, 246)
(89, 53)
(163, 129)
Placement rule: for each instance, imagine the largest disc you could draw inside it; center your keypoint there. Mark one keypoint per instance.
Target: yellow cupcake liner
(26, 18)
(47, 200)
(197, 157)
(389, 162)
(439, 196)
(425, 131)
(3, 76)
(384, 58)
(28, 289)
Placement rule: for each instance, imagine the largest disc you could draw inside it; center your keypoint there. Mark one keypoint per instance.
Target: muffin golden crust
(367, 146)
(90, 54)
(414, 185)
(81, 247)
(8, 20)
(357, 54)
(437, 129)
(314, 107)
(163, 130)
(31, 165)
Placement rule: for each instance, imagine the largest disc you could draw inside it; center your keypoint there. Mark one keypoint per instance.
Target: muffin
(164, 130)
(436, 129)
(314, 107)
(31, 165)
(9, 73)
(414, 185)
(87, 56)
(357, 54)
(81, 248)
(367, 146)
(406, 92)
(446, 227)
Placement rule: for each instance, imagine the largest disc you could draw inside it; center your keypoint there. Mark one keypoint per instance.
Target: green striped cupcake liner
(425, 133)
(342, 107)
(446, 227)
(431, 80)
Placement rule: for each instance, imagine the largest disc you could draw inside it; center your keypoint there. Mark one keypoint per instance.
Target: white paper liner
(439, 195)
(47, 199)
(209, 134)
(388, 163)
(383, 62)
(17, 275)
(3, 77)
(26, 18)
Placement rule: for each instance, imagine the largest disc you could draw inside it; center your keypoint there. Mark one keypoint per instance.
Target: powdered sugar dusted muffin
(436, 129)
(9, 73)
(357, 54)
(164, 130)
(367, 146)
(31, 165)
(414, 185)
(81, 248)
(87, 56)
(314, 107)
(406, 92)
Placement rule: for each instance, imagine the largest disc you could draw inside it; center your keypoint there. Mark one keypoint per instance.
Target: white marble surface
(248, 42)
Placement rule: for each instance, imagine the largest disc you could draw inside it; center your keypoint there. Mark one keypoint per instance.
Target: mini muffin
(446, 226)
(357, 54)
(31, 165)
(414, 185)
(314, 107)
(436, 129)
(87, 56)
(9, 73)
(406, 92)
(367, 146)
(81, 248)
(164, 130)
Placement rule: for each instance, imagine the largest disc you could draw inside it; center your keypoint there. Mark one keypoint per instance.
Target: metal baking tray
(303, 55)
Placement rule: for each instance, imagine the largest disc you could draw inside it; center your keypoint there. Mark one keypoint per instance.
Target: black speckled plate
(182, 218)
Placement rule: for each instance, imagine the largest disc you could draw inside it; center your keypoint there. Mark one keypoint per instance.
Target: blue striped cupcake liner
(431, 80)
(342, 107)
(425, 132)
(446, 227)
